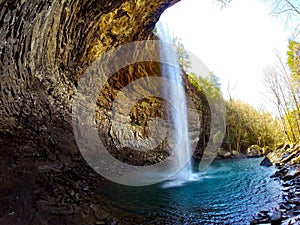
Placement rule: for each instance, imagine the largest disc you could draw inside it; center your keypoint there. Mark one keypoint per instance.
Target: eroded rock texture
(45, 48)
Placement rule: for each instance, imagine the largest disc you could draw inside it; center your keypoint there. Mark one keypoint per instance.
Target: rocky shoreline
(37, 191)
(288, 211)
(286, 160)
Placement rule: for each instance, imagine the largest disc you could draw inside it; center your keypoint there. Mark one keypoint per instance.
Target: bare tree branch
(292, 7)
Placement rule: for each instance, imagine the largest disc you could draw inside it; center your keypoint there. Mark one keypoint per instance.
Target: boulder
(292, 173)
(235, 153)
(276, 218)
(223, 154)
(46, 47)
(266, 162)
(285, 156)
(286, 153)
(254, 151)
(266, 150)
(280, 173)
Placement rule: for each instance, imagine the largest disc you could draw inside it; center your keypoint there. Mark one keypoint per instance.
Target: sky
(236, 42)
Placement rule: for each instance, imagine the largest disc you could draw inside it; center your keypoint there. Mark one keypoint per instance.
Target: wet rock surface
(266, 162)
(288, 153)
(288, 211)
(45, 48)
(38, 191)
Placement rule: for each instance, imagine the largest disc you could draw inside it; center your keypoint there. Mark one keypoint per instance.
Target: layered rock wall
(45, 48)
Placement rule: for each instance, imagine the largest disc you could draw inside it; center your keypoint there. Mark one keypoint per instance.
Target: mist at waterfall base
(228, 192)
(182, 150)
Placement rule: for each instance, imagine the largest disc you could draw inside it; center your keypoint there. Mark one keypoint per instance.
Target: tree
(294, 65)
(289, 11)
(209, 84)
(284, 90)
(246, 126)
(183, 56)
(288, 7)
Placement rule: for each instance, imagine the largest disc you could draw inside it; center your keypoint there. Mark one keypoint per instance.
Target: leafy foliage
(209, 84)
(284, 85)
(294, 65)
(183, 57)
(246, 126)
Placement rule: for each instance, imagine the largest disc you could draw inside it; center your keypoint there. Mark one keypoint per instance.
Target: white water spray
(182, 153)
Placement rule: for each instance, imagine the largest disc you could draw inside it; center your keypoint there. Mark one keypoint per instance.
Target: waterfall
(182, 153)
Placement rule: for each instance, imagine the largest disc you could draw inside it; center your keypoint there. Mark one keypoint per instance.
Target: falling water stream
(182, 151)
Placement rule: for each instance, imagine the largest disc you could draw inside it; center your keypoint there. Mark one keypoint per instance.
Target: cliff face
(46, 46)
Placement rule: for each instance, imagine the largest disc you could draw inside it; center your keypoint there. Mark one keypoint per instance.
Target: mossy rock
(224, 154)
(254, 151)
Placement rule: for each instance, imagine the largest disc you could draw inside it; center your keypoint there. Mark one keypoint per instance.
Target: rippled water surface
(229, 192)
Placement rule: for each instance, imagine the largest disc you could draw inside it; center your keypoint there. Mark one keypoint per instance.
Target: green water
(229, 192)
